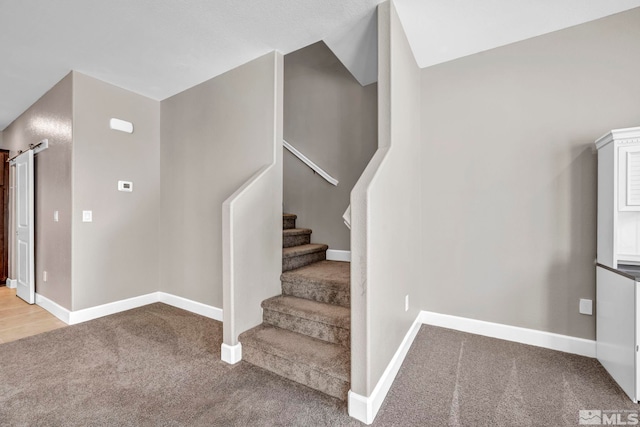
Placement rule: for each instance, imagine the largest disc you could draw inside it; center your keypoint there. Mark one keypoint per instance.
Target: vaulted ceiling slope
(161, 47)
(440, 31)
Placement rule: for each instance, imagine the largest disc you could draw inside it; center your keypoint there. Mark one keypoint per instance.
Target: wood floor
(19, 319)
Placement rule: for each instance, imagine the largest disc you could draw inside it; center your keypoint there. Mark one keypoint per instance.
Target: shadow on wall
(573, 221)
(332, 120)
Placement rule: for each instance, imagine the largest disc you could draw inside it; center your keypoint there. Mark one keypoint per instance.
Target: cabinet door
(616, 328)
(636, 398)
(629, 178)
(628, 215)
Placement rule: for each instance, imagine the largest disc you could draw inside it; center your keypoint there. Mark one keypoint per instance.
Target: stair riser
(302, 260)
(291, 241)
(316, 292)
(311, 328)
(288, 223)
(297, 372)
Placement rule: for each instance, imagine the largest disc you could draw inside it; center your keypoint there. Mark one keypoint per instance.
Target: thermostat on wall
(125, 186)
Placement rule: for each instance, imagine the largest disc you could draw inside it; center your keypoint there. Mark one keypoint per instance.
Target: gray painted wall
(332, 120)
(252, 215)
(386, 252)
(509, 173)
(213, 140)
(50, 117)
(116, 256)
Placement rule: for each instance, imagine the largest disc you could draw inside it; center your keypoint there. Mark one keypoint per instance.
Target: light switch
(56, 217)
(87, 216)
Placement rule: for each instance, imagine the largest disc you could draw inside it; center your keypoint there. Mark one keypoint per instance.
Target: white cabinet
(619, 197)
(616, 332)
(618, 258)
(629, 178)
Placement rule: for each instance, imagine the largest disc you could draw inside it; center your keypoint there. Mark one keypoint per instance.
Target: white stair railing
(317, 169)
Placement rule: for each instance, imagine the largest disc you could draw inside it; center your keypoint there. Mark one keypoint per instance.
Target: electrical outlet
(44, 276)
(87, 216)
(56, 216)
(406, 303)
(586, 306)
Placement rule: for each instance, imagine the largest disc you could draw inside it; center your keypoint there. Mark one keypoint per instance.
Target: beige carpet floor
(160, 366)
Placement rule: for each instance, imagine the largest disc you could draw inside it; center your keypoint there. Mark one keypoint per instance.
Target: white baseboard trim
(360, 408)
(565, 343)
(91, 313)
(365, 409)
(192, 306)
(231, 354)
(54, 308)
(12, 283)
(336, 255)
(79, 316)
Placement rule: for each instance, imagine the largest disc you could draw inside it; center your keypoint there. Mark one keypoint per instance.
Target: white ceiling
(357, 48)
(160, 47)
(153, 47)
(443, 30)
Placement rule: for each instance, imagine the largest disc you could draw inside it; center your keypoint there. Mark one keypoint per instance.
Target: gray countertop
(630, 271)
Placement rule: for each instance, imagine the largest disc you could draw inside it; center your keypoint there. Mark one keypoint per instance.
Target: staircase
(305, 334)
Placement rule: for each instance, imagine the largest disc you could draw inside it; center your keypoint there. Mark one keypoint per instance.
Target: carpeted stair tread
(328, 314)
(303, 250)
(300, 255)
(296, 231)
(322, 321)
(289, 221)
(295, 237)
(330, 359)
(323, 281)
(335, 274)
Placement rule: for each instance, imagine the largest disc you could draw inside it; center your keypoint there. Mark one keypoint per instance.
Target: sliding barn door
(24, 227)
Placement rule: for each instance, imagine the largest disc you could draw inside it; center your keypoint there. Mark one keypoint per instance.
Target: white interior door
(24, 226)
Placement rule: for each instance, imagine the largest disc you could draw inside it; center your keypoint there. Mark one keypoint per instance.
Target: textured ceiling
(160, 47)
(153, 47)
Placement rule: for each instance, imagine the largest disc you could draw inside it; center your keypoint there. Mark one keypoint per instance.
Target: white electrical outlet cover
(586, 306)
(87, 216)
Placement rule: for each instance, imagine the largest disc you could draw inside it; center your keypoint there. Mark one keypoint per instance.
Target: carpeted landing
(160, 366)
